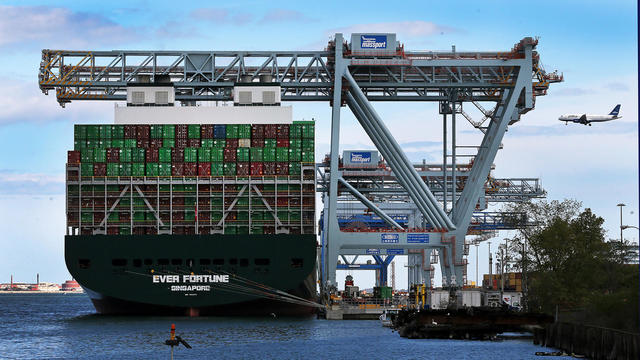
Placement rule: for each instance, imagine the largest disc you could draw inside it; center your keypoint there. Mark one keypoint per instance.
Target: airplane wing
(583, 119)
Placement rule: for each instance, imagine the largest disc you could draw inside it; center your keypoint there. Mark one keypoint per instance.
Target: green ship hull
(195, 274)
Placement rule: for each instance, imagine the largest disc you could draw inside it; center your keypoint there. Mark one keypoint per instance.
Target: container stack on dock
(512, 281)
(192, 179)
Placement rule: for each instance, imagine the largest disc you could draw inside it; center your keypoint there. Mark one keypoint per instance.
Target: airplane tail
(615, 111)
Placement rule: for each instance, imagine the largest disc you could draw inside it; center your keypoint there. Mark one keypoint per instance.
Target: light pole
(620, 206)
(477, 284)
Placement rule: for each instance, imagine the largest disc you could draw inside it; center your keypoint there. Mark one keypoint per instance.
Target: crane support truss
(512, 79)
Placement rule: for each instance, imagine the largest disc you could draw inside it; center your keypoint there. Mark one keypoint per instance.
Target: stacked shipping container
(192, 179)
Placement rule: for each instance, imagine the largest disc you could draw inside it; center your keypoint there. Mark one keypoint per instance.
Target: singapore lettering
(190, 282)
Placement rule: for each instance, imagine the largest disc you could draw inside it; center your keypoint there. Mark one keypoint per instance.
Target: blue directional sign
(373, 251)
(395, 251)
(418, 238)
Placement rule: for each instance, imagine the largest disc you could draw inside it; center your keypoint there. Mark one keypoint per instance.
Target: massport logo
(373, 41)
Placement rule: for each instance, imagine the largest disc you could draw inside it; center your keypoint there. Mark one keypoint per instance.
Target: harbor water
(65, 326)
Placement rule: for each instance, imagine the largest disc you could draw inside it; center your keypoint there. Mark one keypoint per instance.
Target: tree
(570, 264)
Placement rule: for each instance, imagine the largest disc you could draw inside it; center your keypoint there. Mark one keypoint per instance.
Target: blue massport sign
(389, 238)
(361, 157)
(373, 41)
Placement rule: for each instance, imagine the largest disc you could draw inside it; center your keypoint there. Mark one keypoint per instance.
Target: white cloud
(59, 27)
(22, 101)
(13, 183)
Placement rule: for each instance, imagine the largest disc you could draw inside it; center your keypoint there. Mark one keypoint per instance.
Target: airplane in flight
(587, 119)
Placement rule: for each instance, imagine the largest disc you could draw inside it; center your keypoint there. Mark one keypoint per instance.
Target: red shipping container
(193, 143)
(282, 168)
(73, 157)
(257, 131)
(138, 231)
(282, 143)
(204, 202)
(229, 155)
(113, 230)
(129, 131)
(98, 217)
(203, 230)
(269, 168)
(283, 201)
(189, 230)
(178, 215)
(268, 230)
(142, 131)
(152, 155)
(178, 230)
(182, 131)
(181, 144)
(177, 155)
(256, 168)
(203, 188)
(206, 131)
(257, 142)
(232, 143)
(177, 169)
(124, 216)
(294, 202)
(204, 169)
(155, 143)
(178, 202)
(270, 131)
(191, 169)
(99, 169)
(143, 143)
(113, 155)
(283, 131)
(242, 169)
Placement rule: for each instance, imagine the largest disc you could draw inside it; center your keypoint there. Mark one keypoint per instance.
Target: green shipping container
(269, 154)
(79, 132)
(217, 169)
(86, 155)
(295, 131)
(204, 154)
(164, 168)
(283, 216)
(308, 144)
(125, 169)
(94, 144)
(244, 131)
(307, 157)
(232, 131)
(256, 154)
(242, 154)
(294, 168)
(100, 155)
(139, 216)
(93, 132)
(79, 144)
(105, 132)
(257, 230)
(294, 216)
(130, 143)
(308, 130)
(86, 169)
(282, 154)
(206, 143)
(152, 169)
(218, 143)
(86, 218)
(189, 215)
(125, 230)
(137, 155)
(243, 230)
(216, 202)
(169, 143)
(194, 131)
(164, 154)
(125, 155)
(295, 143)
(270, 143)
(168, 131)
(295, 154)
(217, 154)
(230, 230)
(155, 131)
(114, 216)
(117, 143)
(113, 169)
(137, 169)
(229, 169)
(257, 216)
(191, 155)
(243, 216)
(117, 131)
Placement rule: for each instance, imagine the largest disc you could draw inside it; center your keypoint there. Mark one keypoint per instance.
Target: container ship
(194, 210)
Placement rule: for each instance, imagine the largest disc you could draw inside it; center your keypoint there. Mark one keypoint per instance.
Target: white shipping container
(470, 298)
(439, 299)
(244, 142)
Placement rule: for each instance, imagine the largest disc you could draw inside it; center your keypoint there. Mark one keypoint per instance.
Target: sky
(593, 43)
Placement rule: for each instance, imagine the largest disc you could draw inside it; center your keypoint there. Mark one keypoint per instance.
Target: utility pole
(621, 205)
(477, 283)
(501, 274)
(490, 268)
(393, 276)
